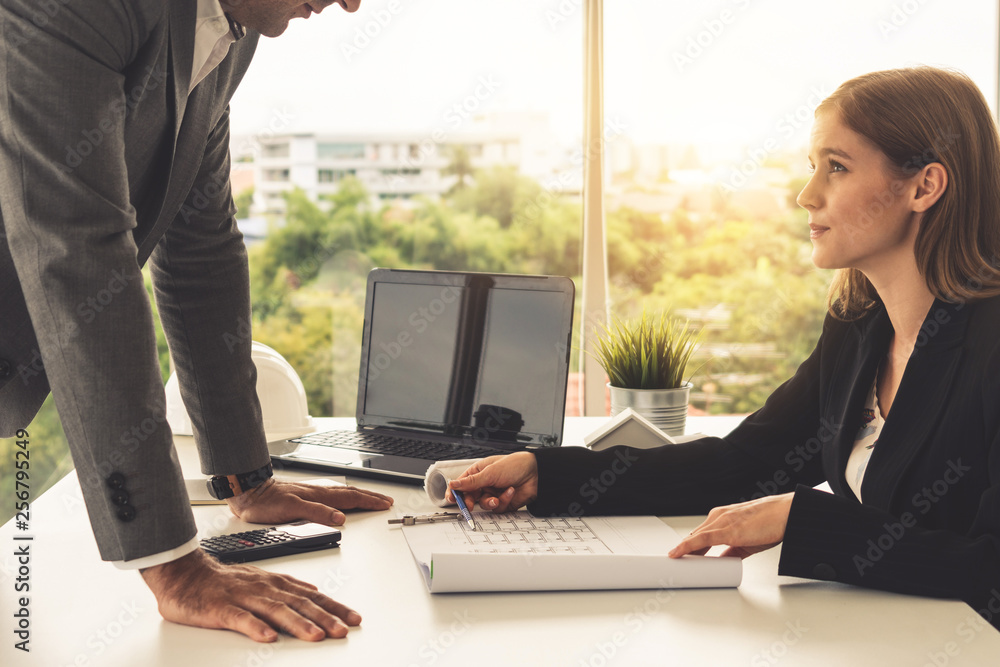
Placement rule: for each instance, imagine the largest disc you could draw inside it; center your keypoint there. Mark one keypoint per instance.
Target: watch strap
(227, 486)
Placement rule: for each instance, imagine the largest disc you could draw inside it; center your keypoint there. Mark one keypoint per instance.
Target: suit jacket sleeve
(68, 226)
(769, 452)
(202, 286)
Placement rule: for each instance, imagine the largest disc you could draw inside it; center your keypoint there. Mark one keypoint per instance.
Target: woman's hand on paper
(199, 591)
(746, 528)
(499, 483)
(282, 502)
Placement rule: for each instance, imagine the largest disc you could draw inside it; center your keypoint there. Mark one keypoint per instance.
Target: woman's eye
(811, 168)
(836, 166)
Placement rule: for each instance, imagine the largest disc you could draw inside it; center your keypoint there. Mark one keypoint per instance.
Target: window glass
(710, 105)
(340, 151)
(268, 150)
(442, 135)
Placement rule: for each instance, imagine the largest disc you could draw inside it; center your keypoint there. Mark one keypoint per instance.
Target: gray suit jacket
(105, 162)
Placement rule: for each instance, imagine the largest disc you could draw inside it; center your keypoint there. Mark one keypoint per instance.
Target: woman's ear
(931, 183)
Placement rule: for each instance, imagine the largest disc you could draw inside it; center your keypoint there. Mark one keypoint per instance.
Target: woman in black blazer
(898, 407)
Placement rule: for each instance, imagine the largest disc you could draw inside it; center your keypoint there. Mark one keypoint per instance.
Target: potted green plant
(645, 359)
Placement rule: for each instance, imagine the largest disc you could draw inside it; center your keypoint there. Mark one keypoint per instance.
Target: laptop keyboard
(377, 443)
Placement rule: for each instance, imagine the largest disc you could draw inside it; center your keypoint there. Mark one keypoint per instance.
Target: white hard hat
(279, 389)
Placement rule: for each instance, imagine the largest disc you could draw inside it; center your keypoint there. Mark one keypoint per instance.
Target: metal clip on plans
(411, 519)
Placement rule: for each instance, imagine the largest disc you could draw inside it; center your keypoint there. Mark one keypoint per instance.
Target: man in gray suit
(114, 149)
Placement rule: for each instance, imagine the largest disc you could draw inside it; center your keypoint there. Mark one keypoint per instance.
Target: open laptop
(453, 366)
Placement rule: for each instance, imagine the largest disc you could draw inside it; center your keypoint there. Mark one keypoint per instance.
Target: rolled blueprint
(438, 476)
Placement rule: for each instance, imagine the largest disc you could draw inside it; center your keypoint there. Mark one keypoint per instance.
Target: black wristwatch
(232, 485)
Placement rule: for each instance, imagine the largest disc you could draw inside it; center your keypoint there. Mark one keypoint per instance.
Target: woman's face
(860, 214)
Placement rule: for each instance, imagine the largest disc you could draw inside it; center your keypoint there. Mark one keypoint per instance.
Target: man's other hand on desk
(282, 502)
(499, 483)
(198, 590)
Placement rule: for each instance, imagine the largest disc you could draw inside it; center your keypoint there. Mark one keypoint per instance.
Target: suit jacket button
(5, 369)
(126, 512)
(116, 480)
(120, 497)
(824, 571)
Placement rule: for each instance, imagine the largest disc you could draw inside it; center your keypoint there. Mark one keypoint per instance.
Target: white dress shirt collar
(213, 34)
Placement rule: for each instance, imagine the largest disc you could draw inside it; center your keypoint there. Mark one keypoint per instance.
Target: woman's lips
(816, 231)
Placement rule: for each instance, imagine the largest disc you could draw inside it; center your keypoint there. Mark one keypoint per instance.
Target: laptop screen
(477, 356)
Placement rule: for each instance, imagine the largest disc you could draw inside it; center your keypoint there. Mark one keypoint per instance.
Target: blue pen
(463, 508)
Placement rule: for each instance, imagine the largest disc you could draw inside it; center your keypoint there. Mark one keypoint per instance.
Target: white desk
(85, 612)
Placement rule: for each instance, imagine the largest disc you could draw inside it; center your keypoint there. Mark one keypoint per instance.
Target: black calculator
(292, 538)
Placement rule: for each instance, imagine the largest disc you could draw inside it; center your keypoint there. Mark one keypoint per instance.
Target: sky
(722, 72)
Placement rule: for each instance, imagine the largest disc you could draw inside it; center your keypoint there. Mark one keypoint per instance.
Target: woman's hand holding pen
(746, 528)
(499, 483)
(506, 483)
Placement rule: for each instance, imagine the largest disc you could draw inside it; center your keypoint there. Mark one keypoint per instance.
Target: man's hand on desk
(282, 502)
(199, 591)
(499, 483)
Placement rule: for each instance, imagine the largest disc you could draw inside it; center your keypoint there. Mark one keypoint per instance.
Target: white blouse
(865, 441)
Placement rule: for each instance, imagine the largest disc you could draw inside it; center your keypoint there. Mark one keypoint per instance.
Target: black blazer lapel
(848, 387)
(926, 381)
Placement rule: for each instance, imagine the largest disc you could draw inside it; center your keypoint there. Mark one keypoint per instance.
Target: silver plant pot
(666, 408)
